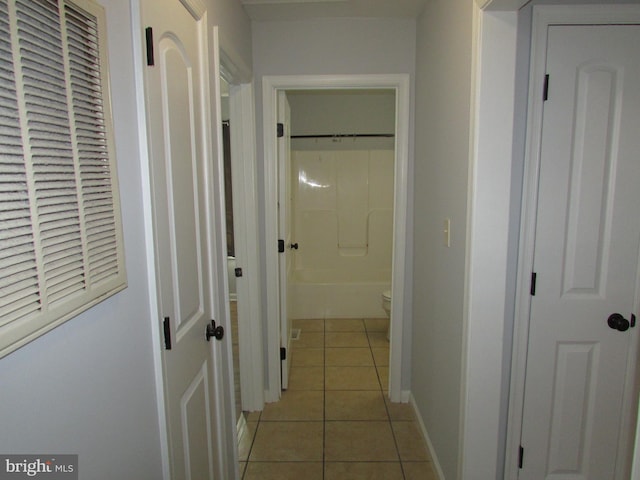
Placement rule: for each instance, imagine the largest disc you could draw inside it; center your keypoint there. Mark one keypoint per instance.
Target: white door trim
(227, 433)
(147, 219)
(543, 16)
(247, 236)
(270, 86)
(243, 159)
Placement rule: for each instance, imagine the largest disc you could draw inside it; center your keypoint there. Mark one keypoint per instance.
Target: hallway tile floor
(335, 421)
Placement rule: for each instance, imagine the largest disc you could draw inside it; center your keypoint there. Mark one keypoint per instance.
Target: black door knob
(618, 322)
(213, 331)
(293, 246)
(219, 332)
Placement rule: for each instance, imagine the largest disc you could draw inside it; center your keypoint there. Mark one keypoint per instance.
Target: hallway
(335, 420)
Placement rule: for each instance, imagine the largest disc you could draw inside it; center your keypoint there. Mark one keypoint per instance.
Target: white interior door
(579, 369)
(178, 146)
(284, 230)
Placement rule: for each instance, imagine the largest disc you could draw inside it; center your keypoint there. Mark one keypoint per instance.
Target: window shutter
(61, 231)
(19, 285)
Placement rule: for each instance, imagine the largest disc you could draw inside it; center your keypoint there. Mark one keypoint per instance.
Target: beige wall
(443, 102)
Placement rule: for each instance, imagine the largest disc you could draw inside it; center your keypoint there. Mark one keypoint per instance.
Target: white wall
(495, 192)
(336, 46)
(348, 112)
(87, 387)
(234, 31)
(443, 105)
(342, 111)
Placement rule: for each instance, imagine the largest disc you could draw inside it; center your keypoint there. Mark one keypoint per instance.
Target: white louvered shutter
(60, 230)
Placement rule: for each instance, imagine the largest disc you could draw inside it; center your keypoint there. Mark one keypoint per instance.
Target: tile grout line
(386, 406)
(324, 395)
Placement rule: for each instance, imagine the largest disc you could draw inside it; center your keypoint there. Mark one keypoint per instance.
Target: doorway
(338, 201)
(400, 85)
(248, 350)
(232, 274)
(582, 349)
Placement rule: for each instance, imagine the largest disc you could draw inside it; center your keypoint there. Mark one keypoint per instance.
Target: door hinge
(148, 33)
(534, 278)
(280, 245)
(166, 324)
(545, 91)
(280, 130)
(520, 456)
(283, 353)
(238, 272)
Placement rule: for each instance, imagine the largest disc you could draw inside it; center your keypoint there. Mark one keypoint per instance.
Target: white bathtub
(312, 296)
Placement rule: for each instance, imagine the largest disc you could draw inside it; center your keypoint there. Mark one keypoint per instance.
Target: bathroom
(342, 162)
(342, 151)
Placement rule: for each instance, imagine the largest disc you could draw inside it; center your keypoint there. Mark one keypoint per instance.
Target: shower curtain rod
(347, 135)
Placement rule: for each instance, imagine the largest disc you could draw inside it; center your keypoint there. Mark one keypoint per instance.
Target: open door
(184, 225)
(284, 230)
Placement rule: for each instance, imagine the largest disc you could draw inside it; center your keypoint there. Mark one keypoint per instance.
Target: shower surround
(343, 223)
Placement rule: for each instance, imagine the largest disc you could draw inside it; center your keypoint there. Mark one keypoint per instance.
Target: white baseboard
(241, 427)
(434, 458)
(271, 396)
(405, 396)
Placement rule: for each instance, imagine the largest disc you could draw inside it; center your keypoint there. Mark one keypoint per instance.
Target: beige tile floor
(335, 420)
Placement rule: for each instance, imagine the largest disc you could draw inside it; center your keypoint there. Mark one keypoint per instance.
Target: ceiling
(270, 10)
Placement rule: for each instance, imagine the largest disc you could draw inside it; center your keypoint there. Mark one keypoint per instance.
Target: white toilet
(386, 304)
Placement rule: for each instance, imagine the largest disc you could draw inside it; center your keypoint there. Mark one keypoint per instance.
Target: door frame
(270, 87)
(138, 26)
(543, 17)
(245, 215)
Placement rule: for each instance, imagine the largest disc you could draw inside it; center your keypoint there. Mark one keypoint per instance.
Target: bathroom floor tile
(376, 324)
(359, 442)
(419, 471)
(378, 339)
(335, 421)
(383, 376)
(348, 339)
(351, 378)
(307, 357)
(306, 378)
(355, 405)
(295, 405)
(411, 445)
(363, 471)
(284, 471)
(246, 440)
(381, 356)
(287, 442)
(344, 325)
(309, 340)
(348, 357)
(252, 416)
(399, 412)
(308, 324)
